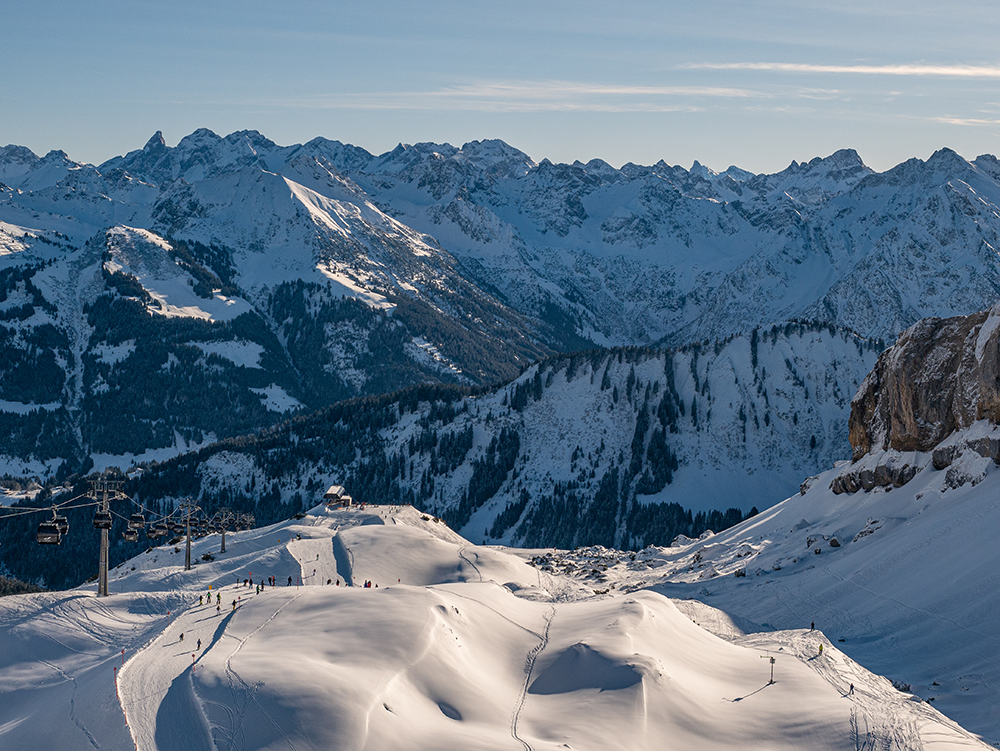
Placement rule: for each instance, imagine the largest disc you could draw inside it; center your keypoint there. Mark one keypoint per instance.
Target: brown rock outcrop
(940, 376)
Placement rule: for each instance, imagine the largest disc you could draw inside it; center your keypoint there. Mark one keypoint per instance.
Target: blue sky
(756, 84)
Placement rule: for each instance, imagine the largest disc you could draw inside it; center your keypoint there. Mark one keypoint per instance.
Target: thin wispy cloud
(533, 89)
(972, 121)
(917, 70)
(537, 96)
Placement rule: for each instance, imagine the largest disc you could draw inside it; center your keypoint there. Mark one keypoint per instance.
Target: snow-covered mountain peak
(408, 156)
(599, 168)
(12, 153)
(56, 156)
(816, 181)
(15, 161)
(945, 158)
(496, 158)
(343, 156)
(251, 142)
(155, 142)
(844, 159)
(198, 138)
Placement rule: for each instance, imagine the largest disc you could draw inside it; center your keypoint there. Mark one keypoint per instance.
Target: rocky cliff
(925, 393)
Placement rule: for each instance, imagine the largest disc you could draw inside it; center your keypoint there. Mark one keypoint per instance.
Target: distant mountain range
(173, 297)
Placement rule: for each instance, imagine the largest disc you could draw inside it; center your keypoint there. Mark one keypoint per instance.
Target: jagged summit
(155, 142)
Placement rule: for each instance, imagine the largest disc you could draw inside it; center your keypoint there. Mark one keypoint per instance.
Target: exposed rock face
(939, 377)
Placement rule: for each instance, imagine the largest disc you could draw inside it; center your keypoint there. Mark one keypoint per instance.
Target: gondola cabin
(48, 534)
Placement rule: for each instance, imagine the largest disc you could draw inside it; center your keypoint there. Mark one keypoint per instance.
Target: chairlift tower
(103, 491)
(225, 517)
(188, 508)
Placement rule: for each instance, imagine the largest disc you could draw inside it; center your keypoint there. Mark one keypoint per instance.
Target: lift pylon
(103, 491)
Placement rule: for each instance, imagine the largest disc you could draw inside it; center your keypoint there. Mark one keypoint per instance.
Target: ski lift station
(336, 495)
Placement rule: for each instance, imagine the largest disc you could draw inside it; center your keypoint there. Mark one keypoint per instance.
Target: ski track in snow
(461, 554)
(72, 701)
(529, 666)
(886, 726)
(882, 718)
(246, 693)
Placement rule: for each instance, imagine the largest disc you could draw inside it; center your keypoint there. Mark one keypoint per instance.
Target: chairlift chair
(48, 534)
(131, 535)
(136, 521)
(102, 520)
(161, 529)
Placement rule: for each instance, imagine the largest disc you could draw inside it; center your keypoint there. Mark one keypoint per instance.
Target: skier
(812, 625)
(218, 598)
(182, 636)
(850, 691)
(289, 581)
(234, 610)
(199, 644)
(820, 650)
(200, 598)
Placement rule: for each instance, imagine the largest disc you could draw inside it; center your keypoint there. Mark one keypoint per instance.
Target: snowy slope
(613, 447)
(636, 254)
(900, 580)
(450, 660)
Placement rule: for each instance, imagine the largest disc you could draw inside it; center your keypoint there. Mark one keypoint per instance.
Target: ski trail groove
(249, 691)
(529, 665)
(72, 702)
(461, 554)
(509, 620)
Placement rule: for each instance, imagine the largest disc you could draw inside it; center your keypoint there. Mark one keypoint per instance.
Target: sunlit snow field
(457, 647)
